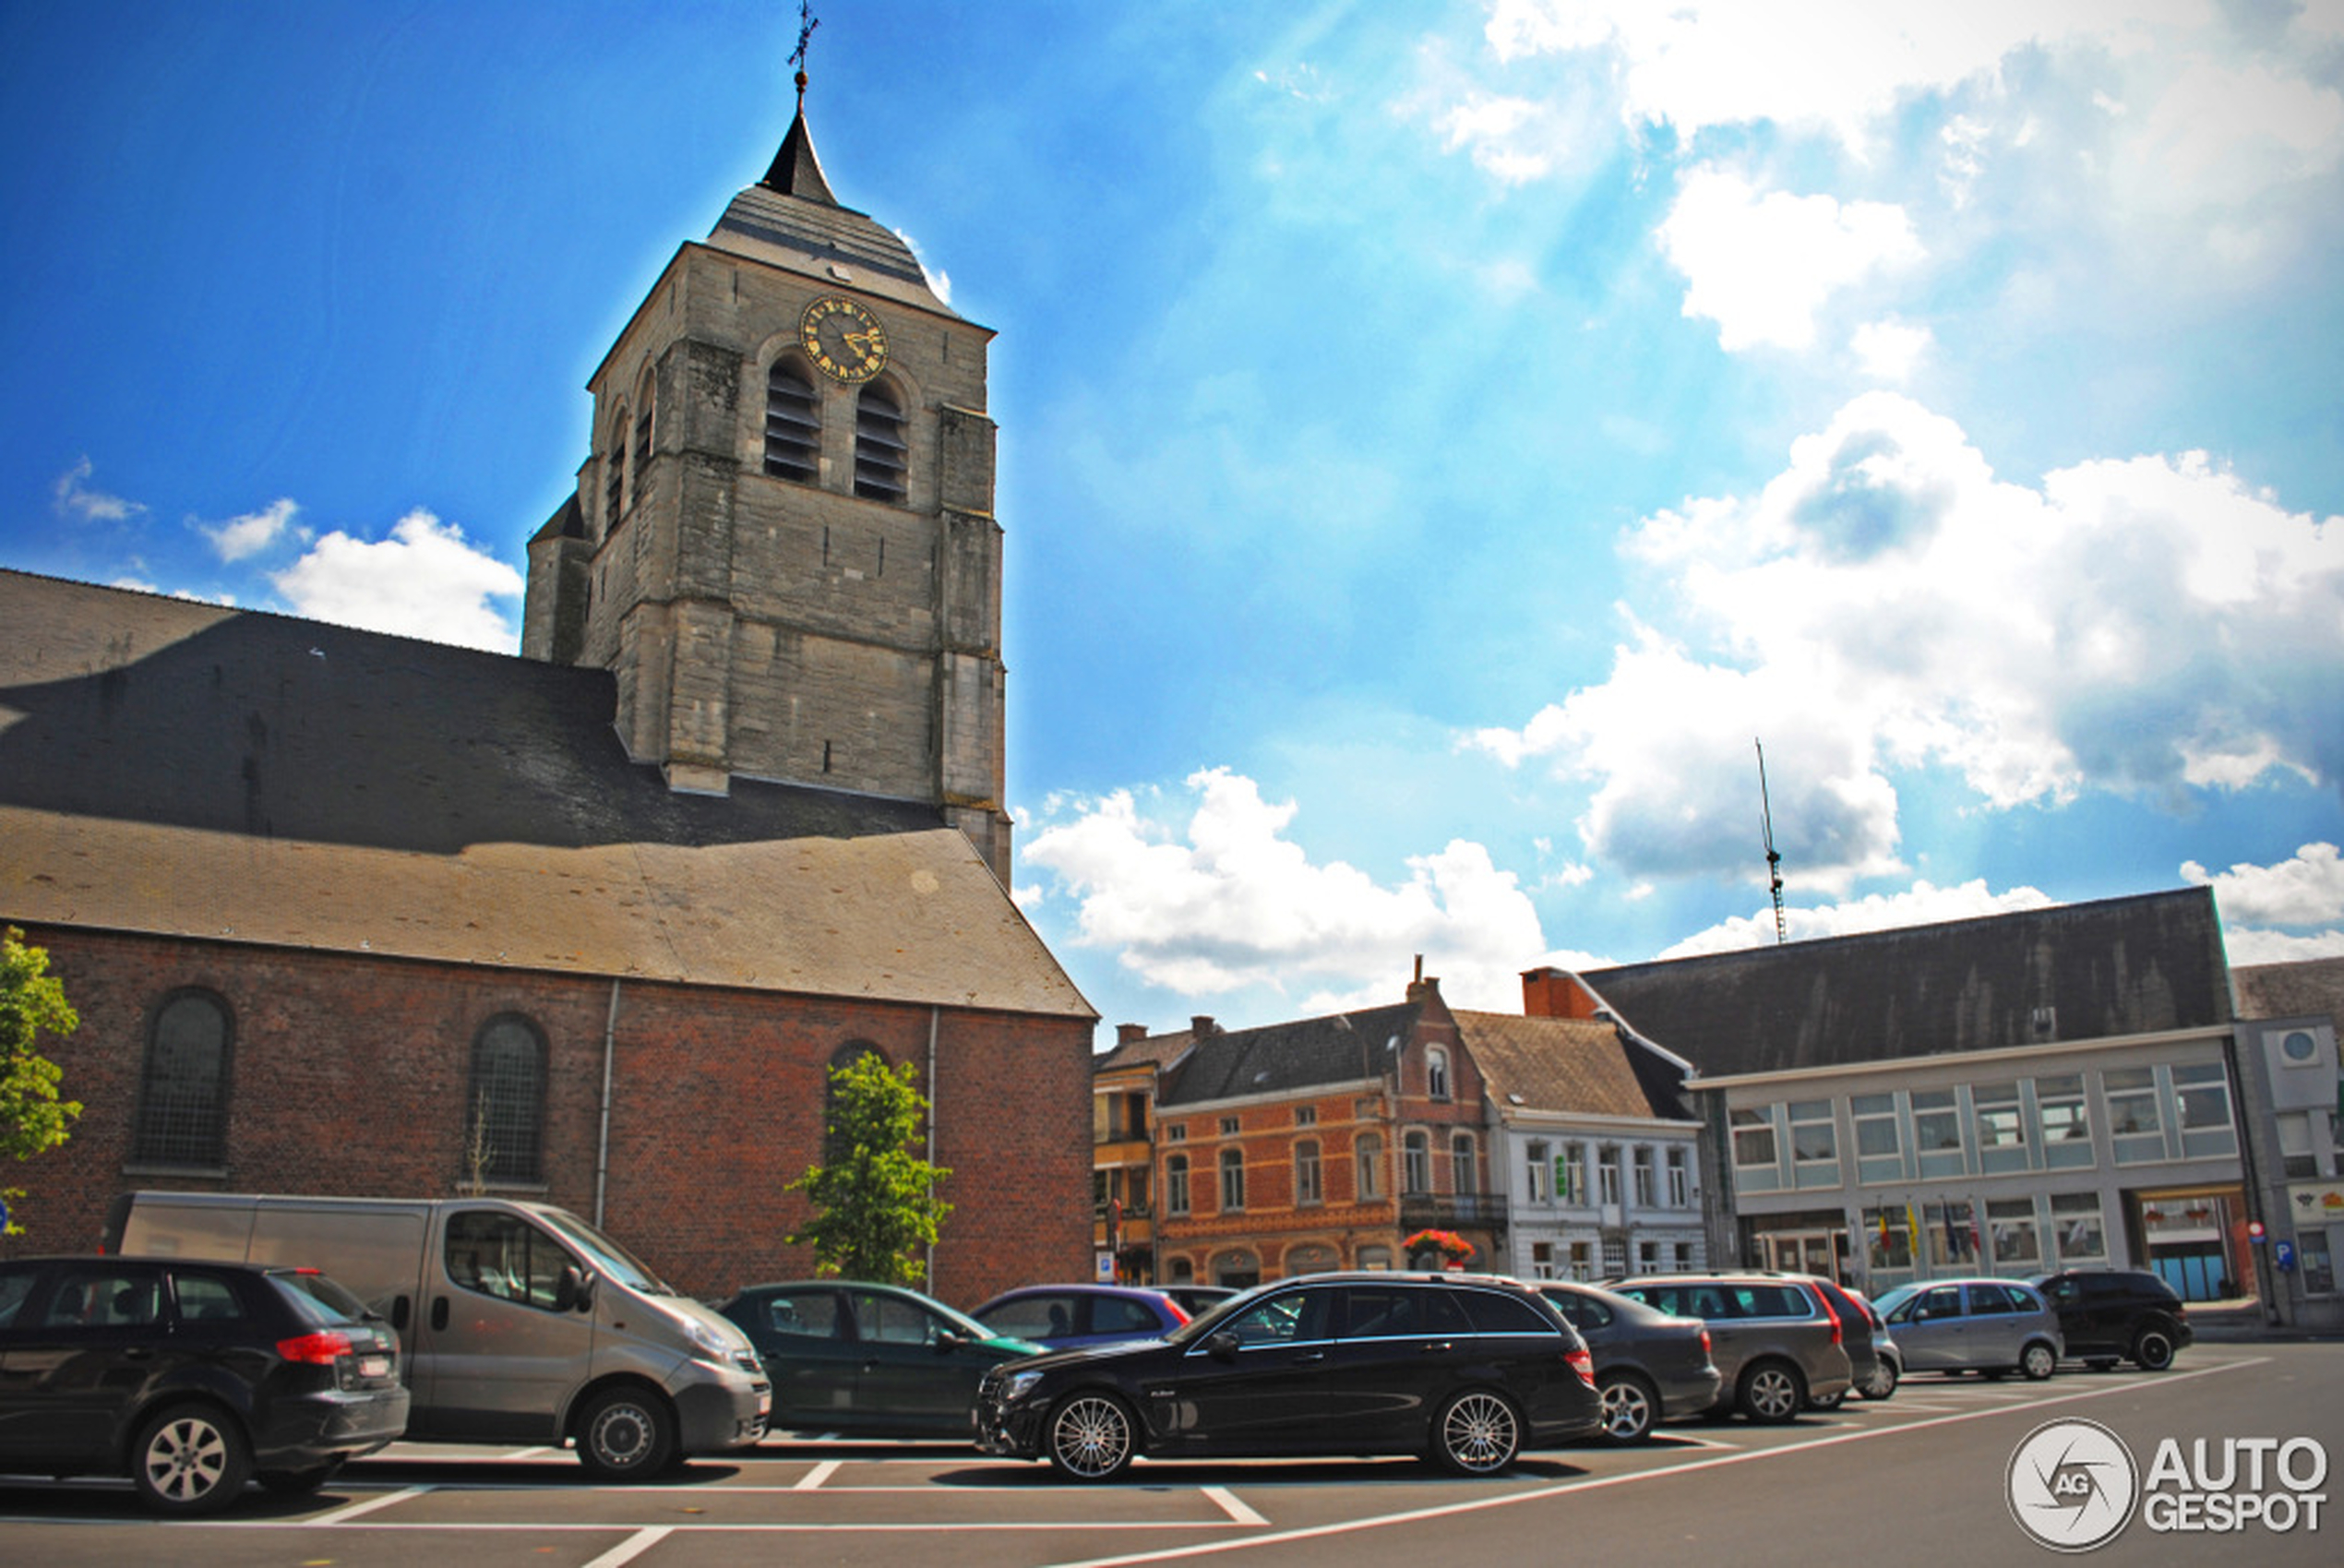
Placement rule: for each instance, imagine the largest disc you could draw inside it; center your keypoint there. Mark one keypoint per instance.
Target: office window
(2012, 1223)
(2002, 1136)
(2077, 1229)
(1880, 1149)
(1753, 1134)
(2202, 1095)
(2135, 1128)
(1937, 1142)
(2066, 1122)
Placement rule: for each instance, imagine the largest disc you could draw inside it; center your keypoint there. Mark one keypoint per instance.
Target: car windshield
(611, 1259)
(1892, 1299)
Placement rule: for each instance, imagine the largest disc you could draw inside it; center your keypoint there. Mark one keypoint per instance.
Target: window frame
(203, 1145)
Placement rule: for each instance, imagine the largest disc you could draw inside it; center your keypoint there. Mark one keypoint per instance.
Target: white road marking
(812, 1480)
(634, 1546)
(1232, 1507)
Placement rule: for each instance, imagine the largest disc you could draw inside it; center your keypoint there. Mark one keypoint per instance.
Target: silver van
(523, 1324)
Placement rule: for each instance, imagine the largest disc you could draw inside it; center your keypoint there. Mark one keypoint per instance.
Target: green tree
(875, 1208)
(32, 1117)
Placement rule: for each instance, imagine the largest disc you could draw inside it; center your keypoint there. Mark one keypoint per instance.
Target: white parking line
(812, 1480)
(352, 1510)
(1232, 1507)
(634, 1546)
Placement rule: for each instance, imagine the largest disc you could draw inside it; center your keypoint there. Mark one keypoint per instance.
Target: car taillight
(1705, 1345)
(322, 1349)
(1833, 1314)
(1583, 1364)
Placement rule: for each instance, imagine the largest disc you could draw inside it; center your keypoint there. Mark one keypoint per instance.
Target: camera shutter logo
(2071, 1485)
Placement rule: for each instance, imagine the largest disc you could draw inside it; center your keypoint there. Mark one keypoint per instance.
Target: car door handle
(1438, 1347)
(439, 1311)
(1306, 1357)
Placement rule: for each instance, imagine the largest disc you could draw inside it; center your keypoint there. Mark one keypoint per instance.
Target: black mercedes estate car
(191, 1378)
(1463, 1370)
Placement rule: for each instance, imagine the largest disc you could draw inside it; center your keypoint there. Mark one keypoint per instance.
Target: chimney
(1126, 1033)
(1555, 993)
(1202, 1026)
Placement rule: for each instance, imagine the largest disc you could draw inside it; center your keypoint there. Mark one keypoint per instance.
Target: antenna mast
(1774, 856)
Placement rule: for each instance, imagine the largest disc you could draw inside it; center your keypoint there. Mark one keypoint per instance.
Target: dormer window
(1436, 1072)
(880, 452)
(792, 424)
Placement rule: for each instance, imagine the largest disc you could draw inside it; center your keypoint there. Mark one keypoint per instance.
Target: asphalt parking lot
(1921, 1475)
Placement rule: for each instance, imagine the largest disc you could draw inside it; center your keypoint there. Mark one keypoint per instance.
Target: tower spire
(806, 22)
(795, 170)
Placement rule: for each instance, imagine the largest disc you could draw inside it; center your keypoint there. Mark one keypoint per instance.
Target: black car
(1466, 1370)
(191, 1378)
(2108, 1315)
(867, 1361)
(1650, 1367)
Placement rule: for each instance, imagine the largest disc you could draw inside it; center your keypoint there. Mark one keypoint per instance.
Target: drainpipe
(934, 1013)
(602, 1140)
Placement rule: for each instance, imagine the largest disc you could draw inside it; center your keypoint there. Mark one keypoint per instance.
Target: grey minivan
(1983, 1325)
(1776, 1341)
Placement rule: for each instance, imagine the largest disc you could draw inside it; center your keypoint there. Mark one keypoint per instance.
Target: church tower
(782, 543)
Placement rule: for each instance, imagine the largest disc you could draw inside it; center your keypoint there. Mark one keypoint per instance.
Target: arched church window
(614, 473)
(183, 1090)
(505, 1111)
(792, 424)
(834, 1147)
(643, 405)
(881, 455)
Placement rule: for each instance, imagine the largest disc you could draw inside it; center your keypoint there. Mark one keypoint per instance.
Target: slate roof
(1343, 1048)
(181, 769)
(2305, 989)
(790, 219)
(1570, 1064)
(2118, 966)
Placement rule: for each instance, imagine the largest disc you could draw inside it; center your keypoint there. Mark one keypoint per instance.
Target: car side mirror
(1222, 1347)
(947, 1340)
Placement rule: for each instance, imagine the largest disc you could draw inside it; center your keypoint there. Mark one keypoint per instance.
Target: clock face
(844, 339)
(2299, 1046)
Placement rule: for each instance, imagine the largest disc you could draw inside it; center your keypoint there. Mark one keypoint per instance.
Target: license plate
(373, 1366)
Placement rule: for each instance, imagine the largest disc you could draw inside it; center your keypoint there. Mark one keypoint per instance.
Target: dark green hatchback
(867, 1361)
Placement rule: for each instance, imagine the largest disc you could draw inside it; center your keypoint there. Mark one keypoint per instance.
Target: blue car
(1061, 1316)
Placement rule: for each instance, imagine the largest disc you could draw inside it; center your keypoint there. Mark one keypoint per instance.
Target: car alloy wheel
(1477, 1433)
(1882, 1382)
(1091, 1437)
(1628, 1409)
(190, 1460)
(2153, 1351)
(1771, 1393)
(2036, 1361)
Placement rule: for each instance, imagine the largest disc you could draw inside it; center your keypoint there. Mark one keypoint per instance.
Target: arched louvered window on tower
(792, 424)
(615, 474)
(880, 452)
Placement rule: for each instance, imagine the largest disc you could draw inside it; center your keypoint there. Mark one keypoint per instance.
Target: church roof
(2137, 965)
(790, 219)
(179, 769)
(1343, 1048)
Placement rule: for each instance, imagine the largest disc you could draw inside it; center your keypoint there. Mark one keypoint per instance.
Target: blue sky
(1437, 441)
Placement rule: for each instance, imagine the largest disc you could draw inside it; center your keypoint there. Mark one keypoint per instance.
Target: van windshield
(612, 1260)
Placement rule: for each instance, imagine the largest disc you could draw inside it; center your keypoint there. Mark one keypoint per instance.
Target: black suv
(191, 1378)
(2108, 1315)
(1465, 1370)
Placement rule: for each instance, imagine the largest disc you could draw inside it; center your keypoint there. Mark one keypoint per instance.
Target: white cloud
(1514, 138)
(253, 533)
(1762, 266)
(1920, 904)
(1226, 901)
(1890, 350)
(2249, 947)
(1886, 603)
(74, 498)
(2306, 891)
(1838, 65)
(425, 581)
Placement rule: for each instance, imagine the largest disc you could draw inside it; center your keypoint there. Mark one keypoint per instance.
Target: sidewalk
(2246, 1318)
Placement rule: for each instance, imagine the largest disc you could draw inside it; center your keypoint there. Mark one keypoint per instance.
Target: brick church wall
(348, 1076)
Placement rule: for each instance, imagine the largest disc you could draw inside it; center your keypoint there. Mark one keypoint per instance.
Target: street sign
(2284, 1256)
(2253, 1230)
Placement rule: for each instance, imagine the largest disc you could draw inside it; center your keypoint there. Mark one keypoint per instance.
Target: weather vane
(806, 22)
